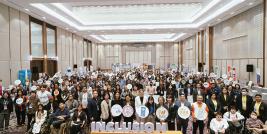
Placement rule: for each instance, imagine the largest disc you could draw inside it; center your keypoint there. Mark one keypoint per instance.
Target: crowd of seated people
(69, 103)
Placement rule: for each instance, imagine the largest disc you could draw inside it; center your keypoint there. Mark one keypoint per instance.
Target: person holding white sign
(140, 100)
(199, 115)
(184, 112)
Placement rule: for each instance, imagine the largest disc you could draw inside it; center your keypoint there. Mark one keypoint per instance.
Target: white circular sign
(183, 81)
(142, 111)
(127, 111)
(116, 110)
(19, 101)
(224, 76)
(129, 86)
(190, 81)
(201, 114)
(162, 113)
(17, 82)
(33, 88)
(183, 112)
(173, 82)
(206, 84)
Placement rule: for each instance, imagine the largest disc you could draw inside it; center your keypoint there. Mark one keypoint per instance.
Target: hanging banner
(234, 74)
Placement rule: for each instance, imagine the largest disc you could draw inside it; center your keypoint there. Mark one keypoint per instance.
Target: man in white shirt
(233, 118)
(218, 125)
(44, 97)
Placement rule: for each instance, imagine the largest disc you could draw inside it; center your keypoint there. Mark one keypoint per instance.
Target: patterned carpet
(13, 129)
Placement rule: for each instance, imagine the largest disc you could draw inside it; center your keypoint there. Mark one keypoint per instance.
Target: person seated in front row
(255, 125)
(234, 119)
(59, 118)
(40, 117)
(218, 125)
(78, 120)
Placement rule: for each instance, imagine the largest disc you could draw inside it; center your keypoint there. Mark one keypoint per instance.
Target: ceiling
(133, 20)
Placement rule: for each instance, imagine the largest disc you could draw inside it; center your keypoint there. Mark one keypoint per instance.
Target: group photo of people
(186, 102)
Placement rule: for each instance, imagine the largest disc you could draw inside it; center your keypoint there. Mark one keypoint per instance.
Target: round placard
(206, 84)
(173, 82)
(142, 111)
(129, 86)
(183, 81)
(127, 111)
(19, 101)
(183, 112)
(190, 81)
(162, 113)
(116, 110)
(17, 82)
(56, 92)
(224, 76)
(33, 88)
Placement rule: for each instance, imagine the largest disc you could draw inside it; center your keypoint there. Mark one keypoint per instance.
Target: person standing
(140, 100)
(105, 109)
(20, 108)
(32, 106)
(182, 123)
(259, 107)
(172, 109)
(243, 102)
(199, 109)
(93, 108)
(6, 107)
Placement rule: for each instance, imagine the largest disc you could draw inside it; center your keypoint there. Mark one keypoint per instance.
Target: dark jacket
(61, 113)
(248, 105)
(9, 104)
(186, 91)
(93, 110)
(82, 117)
(262, 111)
(212, 108)
(225, 102)
(172, 109)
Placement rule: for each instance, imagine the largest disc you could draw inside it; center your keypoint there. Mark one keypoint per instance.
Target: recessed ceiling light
(232, 13)
(251, 3)
(67, 28)
(27, 10)
(218, 19)
(44, 18)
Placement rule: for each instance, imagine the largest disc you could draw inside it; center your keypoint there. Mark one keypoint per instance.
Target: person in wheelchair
(40, 117)
(59, 118)
(234, 120)
(218, 125)
(255, 125)
(78, 121)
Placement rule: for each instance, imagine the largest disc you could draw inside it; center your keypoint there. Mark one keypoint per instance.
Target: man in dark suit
(93, 108)
(259, 107)
(188, 91)
(182, 123)
(244, 102)
(198, 91)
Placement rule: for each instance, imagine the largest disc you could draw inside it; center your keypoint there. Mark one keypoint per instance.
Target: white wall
(69, 49)
(159, 53)
(238, 42)
(14, 37)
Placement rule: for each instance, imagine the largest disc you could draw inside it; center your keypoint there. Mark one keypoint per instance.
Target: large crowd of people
(69, 103)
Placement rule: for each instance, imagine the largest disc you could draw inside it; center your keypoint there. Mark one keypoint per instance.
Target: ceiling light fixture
(251, 3)
(232, 13)
(43, 18)
(27, 10)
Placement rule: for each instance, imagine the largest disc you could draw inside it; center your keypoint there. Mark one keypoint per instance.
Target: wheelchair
(237, 129)
(67, 128)
(45, 128)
